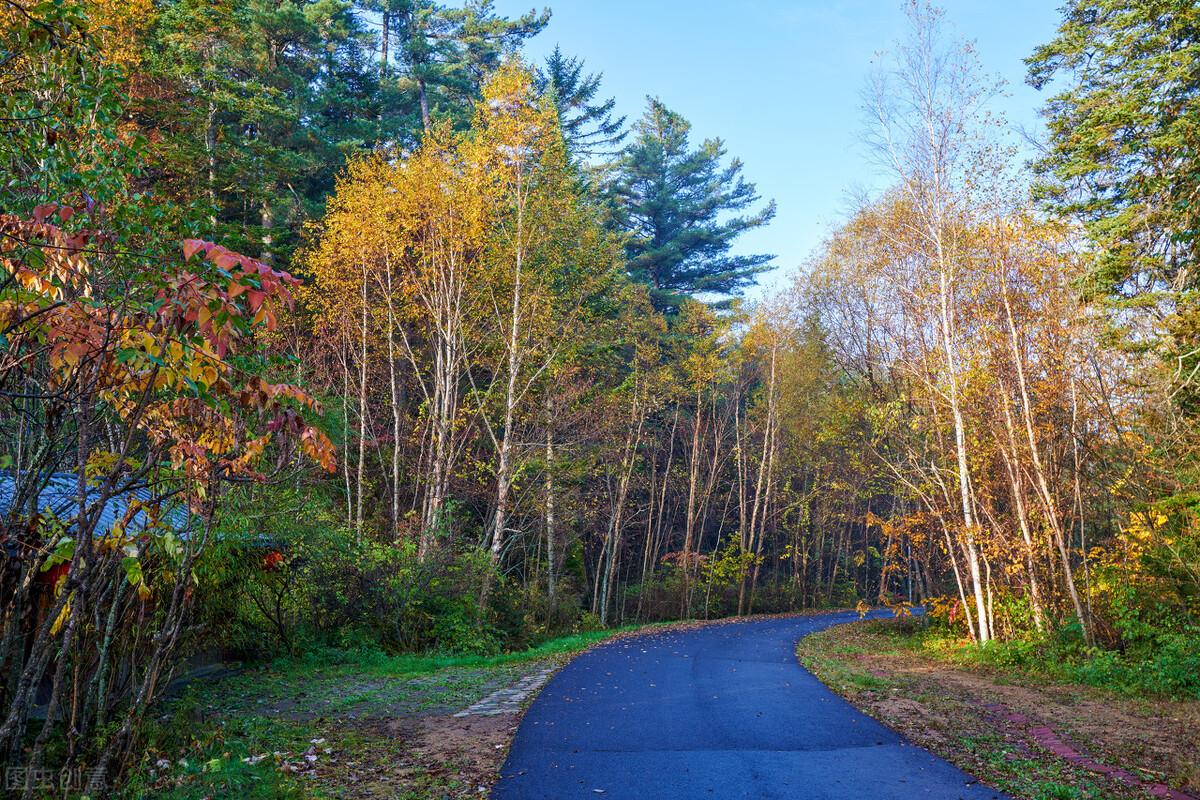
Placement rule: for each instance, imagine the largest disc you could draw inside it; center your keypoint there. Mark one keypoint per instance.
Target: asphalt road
(716, 712)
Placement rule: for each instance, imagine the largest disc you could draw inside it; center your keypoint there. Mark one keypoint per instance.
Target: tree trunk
(689, 527)
(362, 409)
(1048, 503)
(268, 224)
(424, 100)
(346, 421)
(1013, 466)
(395, 391)
(616, 524)
(960, 450)
(210, 154)
(384, 40)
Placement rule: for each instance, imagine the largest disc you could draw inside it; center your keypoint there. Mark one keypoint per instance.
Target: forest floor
(347, 727)
(1033, 738)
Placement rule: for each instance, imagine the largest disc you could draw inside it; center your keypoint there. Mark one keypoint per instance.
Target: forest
(345, 326)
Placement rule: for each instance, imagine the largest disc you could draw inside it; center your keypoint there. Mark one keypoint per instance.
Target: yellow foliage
(121, 28)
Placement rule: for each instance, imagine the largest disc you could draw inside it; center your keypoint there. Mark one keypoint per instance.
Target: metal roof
(60, 497)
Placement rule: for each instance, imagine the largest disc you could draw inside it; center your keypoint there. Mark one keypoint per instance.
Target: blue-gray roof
(60, 498)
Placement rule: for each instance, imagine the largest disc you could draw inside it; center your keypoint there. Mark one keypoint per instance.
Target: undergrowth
(1166, 665)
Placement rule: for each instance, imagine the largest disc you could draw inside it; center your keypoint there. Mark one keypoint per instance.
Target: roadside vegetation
(1156, 663)
(333, 724)
(1044, 718)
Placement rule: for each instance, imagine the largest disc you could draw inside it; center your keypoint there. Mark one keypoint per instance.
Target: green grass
(1149, 671)
(413, 665)
(1039, 779)
(1167, 667)
(833, 660)
(281, 706)
(205, 759)
(963, 736)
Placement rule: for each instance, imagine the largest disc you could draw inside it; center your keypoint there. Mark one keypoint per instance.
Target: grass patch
(835, 662)
(189, 759)
(411, 665)
(1035, 778)
(247, 735)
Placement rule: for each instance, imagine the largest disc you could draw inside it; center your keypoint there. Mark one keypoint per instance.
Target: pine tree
(1123, 150)
(672, 203)
(1124, 158)
(250, 110)
(446, 53)
(587, 125)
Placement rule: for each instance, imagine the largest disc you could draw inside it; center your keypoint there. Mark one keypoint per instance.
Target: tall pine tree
(444, 53)
(681, 210)
(1124, 158)
(588, 124)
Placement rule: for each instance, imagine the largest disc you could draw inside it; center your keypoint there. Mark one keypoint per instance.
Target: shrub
(295, 581)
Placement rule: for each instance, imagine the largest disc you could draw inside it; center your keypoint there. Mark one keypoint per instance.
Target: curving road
(717, 712)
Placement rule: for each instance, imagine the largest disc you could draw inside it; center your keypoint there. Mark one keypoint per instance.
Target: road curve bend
(717, 712)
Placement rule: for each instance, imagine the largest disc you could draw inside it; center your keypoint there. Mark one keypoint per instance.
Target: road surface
(716, 712)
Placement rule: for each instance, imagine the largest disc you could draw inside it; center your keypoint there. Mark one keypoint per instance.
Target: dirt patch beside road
(1033, 740)
(418, 757)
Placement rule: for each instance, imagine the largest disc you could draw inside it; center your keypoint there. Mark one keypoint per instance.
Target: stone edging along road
(510, 699)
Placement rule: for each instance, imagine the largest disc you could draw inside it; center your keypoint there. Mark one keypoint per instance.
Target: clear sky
(780, 82)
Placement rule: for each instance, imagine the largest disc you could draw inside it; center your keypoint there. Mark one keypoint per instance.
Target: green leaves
(1125, 149)
(133, 574)
(63, 552)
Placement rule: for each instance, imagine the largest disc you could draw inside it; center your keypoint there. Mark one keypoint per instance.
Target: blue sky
(780, 82)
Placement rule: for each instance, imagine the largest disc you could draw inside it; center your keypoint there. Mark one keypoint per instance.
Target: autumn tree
(1123, 152)
(927, 112)
(546, 256)
(443, 54)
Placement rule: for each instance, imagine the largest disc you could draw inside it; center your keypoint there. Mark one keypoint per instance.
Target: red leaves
(40, 213)
(224, 312)
(43, 257)
(261, 395)
(267, 397)
(43, 212)
(255, 298)
(258, 282)
(156, 353)
(190, 246)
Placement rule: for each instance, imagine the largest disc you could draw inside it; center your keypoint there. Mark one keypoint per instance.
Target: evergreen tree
(672, 203)
(588, 125)
(445, 53)
(250, 110)
(1124, 152)
(1125, 159)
